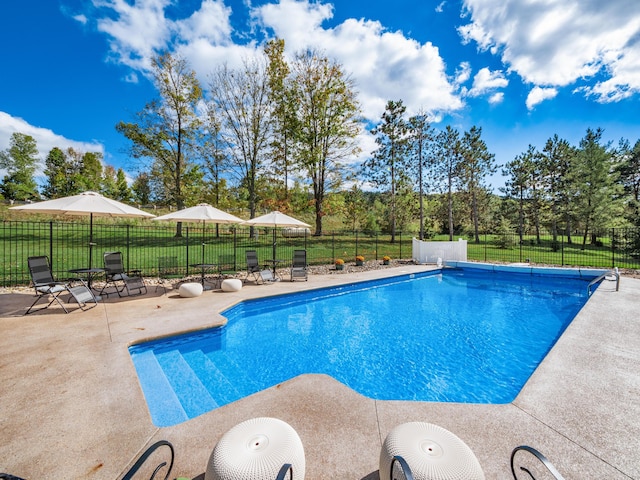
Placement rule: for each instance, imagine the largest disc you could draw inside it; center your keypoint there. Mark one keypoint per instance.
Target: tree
(166, 128)
(142, 189)
(122, 192)
(239, 99)
(328, 123)
(355, 207)
(447, 163)
(420, 139)
(628, 170)
(596, 200)
(212, 151)
(477, 164)
(518, 184)
(20, 161)
(56, 169)
(109, 188)
(389, 163)
(557, 160)
(90, 175)
(284, 121)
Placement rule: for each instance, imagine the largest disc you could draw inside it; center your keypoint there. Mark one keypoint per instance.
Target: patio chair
(253, 268)
(116, 276)
(226, 267)
(46, 286)
(299, 266)
(167, 272)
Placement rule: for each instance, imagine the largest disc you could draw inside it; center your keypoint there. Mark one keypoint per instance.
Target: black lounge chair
(47, 287)
(168, 271)
(118, 278)
(299, 266)
(253, 268)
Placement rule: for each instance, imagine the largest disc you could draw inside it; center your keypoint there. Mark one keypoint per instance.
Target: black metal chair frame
(46, 286)
(167, 271)
(299, 265)
(114, 273)
(253, 266)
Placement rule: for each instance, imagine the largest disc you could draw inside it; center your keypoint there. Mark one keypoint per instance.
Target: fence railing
(67, 245)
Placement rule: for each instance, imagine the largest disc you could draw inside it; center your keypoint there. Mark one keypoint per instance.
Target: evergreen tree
(122, 191)
(56, 169)
(477, 164)
(421, 137)
(388, 166)
(448, 158)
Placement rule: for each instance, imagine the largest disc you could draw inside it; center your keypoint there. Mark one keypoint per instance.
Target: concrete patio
(71, 406)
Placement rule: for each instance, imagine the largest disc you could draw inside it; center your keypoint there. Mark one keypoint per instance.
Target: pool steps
(179, 407)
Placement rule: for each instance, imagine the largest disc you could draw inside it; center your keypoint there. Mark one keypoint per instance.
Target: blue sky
(522, 70)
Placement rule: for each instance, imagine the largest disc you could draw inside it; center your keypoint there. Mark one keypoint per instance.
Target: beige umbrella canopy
(85, 203)
(276, 219)
(202, 212)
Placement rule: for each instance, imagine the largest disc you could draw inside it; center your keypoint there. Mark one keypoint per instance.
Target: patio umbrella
(203, 212)
(85, 203)
(276, 219)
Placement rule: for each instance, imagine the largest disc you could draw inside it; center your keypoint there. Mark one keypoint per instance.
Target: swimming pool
(459, 335)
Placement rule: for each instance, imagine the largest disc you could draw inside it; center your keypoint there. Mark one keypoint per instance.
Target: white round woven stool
(190, 290)
(256, 449)
(432, 453)
(231, 285)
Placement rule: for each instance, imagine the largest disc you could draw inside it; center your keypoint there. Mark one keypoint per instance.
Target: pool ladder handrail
(143, 458)
(545, 461)
(596, 280)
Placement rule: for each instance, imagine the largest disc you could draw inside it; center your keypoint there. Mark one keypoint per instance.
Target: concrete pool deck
(71, 406)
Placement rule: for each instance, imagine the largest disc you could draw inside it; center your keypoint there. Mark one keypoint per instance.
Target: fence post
(562, 249)
(356, 244)
(376, 234)
(613, 248)
(520, 249)
(485, 246)
(187, 265)
(128, 246)
(333, 246)
(400, 235)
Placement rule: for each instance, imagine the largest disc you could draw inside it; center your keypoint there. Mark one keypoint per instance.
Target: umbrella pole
(202, 263)
(91, 241)
(274, 252)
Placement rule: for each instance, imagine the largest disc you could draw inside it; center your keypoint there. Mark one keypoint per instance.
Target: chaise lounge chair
(115, 276)
(253, 269)
(46, 286)
(168, 271)
(299, 266)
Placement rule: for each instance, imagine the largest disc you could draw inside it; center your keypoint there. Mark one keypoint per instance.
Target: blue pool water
(452, 336)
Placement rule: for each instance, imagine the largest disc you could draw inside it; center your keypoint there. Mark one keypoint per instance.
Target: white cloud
(45, 138)
(538, 95)
(463, 73)
(486, 81)
(385, 65)
(496, 98)
(440, 7)
(557, 43)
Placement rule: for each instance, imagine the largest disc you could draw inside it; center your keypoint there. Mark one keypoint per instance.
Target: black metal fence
(67, 246)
